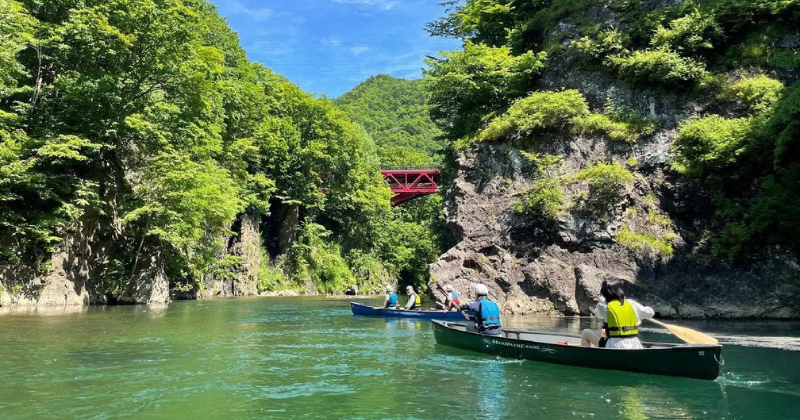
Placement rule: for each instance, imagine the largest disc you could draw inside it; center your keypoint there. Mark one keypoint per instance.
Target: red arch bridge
(408, 184)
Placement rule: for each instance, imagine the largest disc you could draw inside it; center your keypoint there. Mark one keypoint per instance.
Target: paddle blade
(688, 335)
(692, 336)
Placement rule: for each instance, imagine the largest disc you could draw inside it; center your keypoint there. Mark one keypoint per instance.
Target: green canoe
(686, 360)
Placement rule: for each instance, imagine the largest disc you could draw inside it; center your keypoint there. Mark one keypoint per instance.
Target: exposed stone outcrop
(556, 266)
(67, 283)
(242, 278)
(76, 275)
(149, 284)
(533, 269)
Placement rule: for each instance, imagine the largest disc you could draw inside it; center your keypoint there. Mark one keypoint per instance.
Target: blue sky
(329, 46)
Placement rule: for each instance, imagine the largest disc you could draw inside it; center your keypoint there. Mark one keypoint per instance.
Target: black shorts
(603, 341)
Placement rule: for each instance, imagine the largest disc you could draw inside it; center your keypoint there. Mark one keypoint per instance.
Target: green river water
(298, 358)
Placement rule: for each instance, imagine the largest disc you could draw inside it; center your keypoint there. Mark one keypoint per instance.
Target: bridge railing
(410, 168)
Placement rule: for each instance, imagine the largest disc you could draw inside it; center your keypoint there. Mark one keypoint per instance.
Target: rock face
(79, 272)
(647, 235)
(242, 278)
(149, 284)
(531, 268)
(77, 276)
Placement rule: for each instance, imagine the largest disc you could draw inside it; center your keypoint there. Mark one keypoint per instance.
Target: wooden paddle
(687, 334)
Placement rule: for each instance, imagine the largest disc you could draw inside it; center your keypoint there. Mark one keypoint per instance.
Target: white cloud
(233, 7)
(380, 4)
(358, 50)
(331, 42)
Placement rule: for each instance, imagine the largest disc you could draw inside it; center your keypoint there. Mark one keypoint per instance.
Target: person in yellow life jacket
(414, 301)
(621, 318)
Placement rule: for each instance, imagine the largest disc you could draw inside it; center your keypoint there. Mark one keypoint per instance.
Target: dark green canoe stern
(691, 361)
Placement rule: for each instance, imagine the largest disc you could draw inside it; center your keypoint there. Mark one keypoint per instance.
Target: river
(298, 358)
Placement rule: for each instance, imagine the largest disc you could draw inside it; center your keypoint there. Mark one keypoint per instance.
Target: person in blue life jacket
(487, 312)
(451, 301)
(414, 301)
(391, 298)
(621, 318)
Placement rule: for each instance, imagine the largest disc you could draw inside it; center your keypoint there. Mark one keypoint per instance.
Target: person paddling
(487, 312)
(451, 301)
(621, 318)
(414, 301)
(391, 298)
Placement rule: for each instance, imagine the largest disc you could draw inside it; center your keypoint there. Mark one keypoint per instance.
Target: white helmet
(409, 288)
(388, 288)
(481, 290)
(448, 288)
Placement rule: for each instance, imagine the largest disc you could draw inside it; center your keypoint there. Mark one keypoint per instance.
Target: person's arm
(642, 312)
(411, 298)
(601, 310)
(386, 301)
(474, 307)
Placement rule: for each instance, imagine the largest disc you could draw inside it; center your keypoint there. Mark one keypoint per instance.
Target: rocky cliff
(84, 271)
(532, 270)
(646, 233)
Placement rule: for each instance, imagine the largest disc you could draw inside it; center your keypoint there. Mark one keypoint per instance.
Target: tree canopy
(396, 114)
(146, 115)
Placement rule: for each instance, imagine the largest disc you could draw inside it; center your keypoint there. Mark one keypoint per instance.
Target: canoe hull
(365, 310)
(691, 361)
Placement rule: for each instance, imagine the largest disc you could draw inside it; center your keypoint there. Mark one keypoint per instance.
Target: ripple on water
(780, 343)
(733, 379)
(300, 389)
(293, 359)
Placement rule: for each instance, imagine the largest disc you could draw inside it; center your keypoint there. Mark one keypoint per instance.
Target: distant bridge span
(409, 184)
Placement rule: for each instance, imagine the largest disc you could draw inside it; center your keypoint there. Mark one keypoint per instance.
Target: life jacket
(417, 300)
(392, 300)
(490, 314)
(621, 320)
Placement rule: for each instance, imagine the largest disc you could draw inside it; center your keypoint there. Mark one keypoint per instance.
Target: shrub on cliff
(616, 123)
(540, 112)
(317, 260)
(661, 67)
(759, 92)
(609, 42)
(692, 33)
(607, 183)
(543, 202)
(645, 243)
(710, 143)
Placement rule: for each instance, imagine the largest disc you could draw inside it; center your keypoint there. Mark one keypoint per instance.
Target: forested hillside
(142, 153)
(651, 141)
(395, 113)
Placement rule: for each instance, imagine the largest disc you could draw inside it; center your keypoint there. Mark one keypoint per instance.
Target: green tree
(467, 86)
(396, 114)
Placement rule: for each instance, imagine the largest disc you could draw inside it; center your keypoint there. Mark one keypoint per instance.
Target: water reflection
(642, 403)
(43, 310)
(490, 380)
